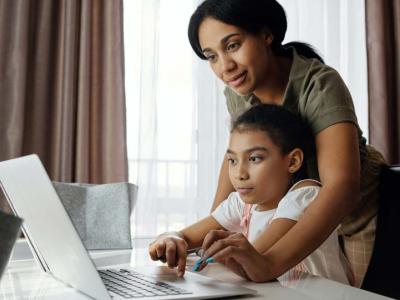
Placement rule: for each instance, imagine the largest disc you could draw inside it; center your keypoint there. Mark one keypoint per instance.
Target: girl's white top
(327, 261)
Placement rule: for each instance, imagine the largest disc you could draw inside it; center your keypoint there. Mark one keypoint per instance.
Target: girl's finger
(213, 236)
(159, 249)
(220, 244)
(229, 250)
(153, 252)
(218, 252)
(181, 257)
(170, 253)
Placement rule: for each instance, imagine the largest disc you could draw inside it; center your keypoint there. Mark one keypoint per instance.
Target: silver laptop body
(58, 248)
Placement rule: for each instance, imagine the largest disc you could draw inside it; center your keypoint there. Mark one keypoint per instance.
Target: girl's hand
(236, 252)
(171, 248)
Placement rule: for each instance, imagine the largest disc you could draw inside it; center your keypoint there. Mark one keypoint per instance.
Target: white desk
(24, 280)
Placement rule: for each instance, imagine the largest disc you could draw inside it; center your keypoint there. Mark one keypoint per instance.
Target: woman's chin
(242, 92)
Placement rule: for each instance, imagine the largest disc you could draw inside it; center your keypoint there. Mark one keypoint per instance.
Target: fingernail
(196, 268)
(180, 273)
(197, 265)
(210, 260)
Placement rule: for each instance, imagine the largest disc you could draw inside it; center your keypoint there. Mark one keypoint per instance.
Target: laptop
(57, 246)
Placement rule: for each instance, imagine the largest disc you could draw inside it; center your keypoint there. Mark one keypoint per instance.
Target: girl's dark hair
(286, 129)
(253, 16)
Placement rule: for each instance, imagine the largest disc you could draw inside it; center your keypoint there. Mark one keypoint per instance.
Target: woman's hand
(236, 252)
(170, 247)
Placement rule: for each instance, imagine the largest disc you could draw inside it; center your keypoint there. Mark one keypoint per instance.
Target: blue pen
(200, 261)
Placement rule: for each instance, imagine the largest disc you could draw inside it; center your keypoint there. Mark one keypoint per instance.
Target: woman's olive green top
(318, 93)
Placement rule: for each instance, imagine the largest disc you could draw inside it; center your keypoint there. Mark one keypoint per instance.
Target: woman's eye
(211, 57)
(232, 46)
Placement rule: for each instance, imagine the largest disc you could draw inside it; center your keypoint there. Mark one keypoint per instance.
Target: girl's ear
(296, 157)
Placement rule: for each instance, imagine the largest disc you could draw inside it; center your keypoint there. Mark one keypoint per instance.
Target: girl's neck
(257, 208)
(274, 87)
(270, 205)
(273, 203)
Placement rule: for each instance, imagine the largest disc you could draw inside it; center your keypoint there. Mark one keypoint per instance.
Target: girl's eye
(255, 158)
(232, 46)
(231, 161)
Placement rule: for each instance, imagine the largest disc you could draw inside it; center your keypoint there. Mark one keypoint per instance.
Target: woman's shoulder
(318, 93)
(314, 84)
(311, 71)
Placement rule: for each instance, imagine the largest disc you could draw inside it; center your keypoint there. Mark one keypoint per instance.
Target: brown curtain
(383, 47)
(62, 87)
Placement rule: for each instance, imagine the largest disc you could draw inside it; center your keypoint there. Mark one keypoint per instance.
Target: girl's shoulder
(297, 199)
(305, 183)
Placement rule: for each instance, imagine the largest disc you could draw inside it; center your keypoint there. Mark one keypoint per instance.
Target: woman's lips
(237, 80)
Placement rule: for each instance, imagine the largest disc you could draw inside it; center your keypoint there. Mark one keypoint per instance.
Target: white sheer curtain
(163, 127)
(177, 119)
(337, 30)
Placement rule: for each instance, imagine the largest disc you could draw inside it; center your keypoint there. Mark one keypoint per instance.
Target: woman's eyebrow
(229, 151)
(223, 40)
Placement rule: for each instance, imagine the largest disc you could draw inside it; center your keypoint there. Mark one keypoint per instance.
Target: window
(162, 109)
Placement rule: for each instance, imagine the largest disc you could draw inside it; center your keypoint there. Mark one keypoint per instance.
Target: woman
(242, 41)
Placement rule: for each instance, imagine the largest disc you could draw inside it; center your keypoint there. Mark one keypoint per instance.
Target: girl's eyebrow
(256, 148)
(223, 40)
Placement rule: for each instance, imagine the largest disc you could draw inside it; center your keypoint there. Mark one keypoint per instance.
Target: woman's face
(240, 59)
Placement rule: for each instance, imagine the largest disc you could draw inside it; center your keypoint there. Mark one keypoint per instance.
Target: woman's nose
(227, 64)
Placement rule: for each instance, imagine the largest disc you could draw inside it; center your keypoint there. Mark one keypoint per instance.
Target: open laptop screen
(47, 225)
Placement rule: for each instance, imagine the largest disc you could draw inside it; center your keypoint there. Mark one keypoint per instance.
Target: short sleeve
(327, 101)
(229, 213)
(295, 202)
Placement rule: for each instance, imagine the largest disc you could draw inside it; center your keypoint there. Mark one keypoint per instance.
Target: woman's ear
(296, 157)
(268, 37)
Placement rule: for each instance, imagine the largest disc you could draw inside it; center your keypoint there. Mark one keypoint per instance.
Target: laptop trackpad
(196, 283)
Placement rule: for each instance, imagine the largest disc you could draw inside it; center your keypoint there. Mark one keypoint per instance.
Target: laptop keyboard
(130, 284)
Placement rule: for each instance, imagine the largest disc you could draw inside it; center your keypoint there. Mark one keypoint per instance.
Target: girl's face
(240, 59)
(258, 169)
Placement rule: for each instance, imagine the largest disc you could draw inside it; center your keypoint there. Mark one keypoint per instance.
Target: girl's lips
(244, 191)
(238, 80)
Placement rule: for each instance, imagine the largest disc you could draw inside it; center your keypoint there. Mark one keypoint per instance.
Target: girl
(242, 41)
(266, 151)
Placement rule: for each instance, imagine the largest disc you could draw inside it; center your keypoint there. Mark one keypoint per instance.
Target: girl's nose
(244, 176)
(242, 173)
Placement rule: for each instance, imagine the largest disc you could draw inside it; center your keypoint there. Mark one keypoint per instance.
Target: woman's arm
(339, 170)
(274, 233)
(282, 224)
(224, 187)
